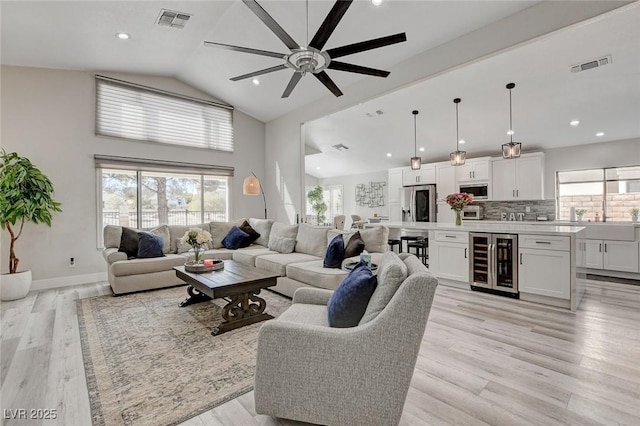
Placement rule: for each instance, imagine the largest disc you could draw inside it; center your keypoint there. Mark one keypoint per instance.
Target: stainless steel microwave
(479, 191)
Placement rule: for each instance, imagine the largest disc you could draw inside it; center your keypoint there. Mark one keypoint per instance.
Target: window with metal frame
(142, 194)
(611, 193)
(131, 111)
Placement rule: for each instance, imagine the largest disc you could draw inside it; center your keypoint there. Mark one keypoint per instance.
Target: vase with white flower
(197, 238)
(457, 201)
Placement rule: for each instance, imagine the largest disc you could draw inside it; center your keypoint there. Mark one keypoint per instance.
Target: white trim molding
(68, 281)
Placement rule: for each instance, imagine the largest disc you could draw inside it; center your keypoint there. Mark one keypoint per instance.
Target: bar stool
(394, 239)
(408, 239)
(421, 245)
(393, 243)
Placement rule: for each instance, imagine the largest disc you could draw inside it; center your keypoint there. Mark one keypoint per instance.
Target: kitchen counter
(504, 227)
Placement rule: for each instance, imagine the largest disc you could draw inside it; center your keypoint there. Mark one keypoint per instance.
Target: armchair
(308, 371)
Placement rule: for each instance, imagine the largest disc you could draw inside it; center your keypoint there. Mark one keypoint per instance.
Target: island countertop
(502, 227)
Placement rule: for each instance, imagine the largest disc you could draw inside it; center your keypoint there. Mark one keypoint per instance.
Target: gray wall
(604, 154)
(349, 188)
(48, 116)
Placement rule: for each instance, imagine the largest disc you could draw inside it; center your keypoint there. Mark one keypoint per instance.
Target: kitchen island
(547, 260)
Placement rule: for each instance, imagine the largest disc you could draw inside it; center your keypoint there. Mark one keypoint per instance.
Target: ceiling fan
(312, 59)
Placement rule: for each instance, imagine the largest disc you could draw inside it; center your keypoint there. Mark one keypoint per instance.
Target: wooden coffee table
(238, 284)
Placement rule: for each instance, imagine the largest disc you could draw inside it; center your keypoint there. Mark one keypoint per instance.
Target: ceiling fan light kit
(511, 149)
(415, 161)
(312, 58)
(457, 157)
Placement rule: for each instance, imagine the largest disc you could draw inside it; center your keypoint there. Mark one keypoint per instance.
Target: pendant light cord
(457, 136)
(307, 23)
(510, 119)
(415, 136)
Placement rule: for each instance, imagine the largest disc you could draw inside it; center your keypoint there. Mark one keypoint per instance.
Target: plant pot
(15, 286)
(634, 219)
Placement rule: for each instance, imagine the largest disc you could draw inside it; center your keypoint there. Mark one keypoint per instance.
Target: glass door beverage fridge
(493, 262)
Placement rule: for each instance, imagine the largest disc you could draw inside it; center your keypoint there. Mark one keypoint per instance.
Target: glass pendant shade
(511, 149)
(415, 161)
(457, 157)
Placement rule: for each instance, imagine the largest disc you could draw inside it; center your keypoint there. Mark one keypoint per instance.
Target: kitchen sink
(609, 231)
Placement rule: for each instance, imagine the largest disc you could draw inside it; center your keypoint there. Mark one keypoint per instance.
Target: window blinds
(125, 163)
(130, 111)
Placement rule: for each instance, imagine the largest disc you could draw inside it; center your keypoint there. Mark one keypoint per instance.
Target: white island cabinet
(550, 265)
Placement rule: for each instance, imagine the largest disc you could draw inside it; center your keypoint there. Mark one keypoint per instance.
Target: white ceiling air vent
(340, 147)
(594, 63)
(169, 18)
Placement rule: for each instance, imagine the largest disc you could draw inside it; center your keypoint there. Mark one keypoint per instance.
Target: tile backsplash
(492, 209)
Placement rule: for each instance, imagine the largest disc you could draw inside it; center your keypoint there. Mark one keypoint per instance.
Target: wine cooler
(493, 262)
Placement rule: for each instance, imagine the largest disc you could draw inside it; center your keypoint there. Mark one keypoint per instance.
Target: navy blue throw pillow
(149, 245)
(349, 302)
(236, 238)
(335, 253)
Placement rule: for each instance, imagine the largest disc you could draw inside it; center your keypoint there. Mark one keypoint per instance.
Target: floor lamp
(251, 186)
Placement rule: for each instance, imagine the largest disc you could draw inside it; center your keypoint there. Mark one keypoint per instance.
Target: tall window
(132, 111)
(143, 194)
(610, 193)
(332, 196)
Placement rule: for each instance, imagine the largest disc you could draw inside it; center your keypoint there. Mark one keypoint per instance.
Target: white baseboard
(68, 281)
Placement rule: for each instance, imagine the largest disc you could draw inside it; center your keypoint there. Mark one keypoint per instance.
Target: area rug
(150, 362)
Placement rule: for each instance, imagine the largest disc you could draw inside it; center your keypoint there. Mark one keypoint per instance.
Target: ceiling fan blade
(342, 66)
(326, 80)
(245, 50)
(295, 78)
(264, 71)
(272, 24)
(330, 23)
(362, 46)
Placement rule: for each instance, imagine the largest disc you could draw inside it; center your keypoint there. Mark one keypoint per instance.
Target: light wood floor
(484, 360)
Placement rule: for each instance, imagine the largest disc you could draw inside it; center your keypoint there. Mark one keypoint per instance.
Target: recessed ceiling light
(574, 122)
(461, 141)
(376, 2)
(123, 36)
(421, 149)
(510, 132)
(318, 168)
(388, 154)
(255, 82)
(600, 134)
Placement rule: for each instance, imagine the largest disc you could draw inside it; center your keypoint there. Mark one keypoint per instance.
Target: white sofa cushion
(219, 230)
(312, 273)
(147, 265)
(163, 232)
(247, 256)
(376, 239)
(312, 240)
(277, 263)
(391, 273)
(176, 232)
(262, 227)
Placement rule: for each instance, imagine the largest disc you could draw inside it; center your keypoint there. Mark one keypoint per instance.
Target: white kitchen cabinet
(544, 272)
(425, 176)
(612, 255)
(449, 259)
(395, 185)
(474, 170)
(445, 182)
(518, 179)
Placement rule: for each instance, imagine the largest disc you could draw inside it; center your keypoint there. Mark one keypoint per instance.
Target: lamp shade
(458, 157)
(416, 163)
(511, 150)
(251, 186)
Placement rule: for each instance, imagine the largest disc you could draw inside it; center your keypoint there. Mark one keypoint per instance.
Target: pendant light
(416, 161)
(457, 157)
(511, 149)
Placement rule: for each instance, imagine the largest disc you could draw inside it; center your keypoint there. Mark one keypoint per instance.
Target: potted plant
(580, 213)
(634, 214)
(26, 195)
(318, 205)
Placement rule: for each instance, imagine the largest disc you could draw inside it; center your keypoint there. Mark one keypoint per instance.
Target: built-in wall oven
(493, 262)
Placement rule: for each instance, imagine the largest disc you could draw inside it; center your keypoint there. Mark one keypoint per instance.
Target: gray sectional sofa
(301, 268)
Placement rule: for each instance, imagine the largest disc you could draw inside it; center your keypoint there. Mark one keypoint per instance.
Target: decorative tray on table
(349, 266)
(200, 268)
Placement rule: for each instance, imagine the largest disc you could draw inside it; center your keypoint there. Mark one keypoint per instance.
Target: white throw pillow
(262, 227)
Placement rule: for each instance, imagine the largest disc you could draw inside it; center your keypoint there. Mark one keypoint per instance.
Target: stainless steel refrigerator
(419, 203)
(493, 262)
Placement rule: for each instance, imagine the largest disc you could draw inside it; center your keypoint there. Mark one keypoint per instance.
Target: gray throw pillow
(281, 230)
(162, 231)
(262, 227)
(391, 273)
(282, 244)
